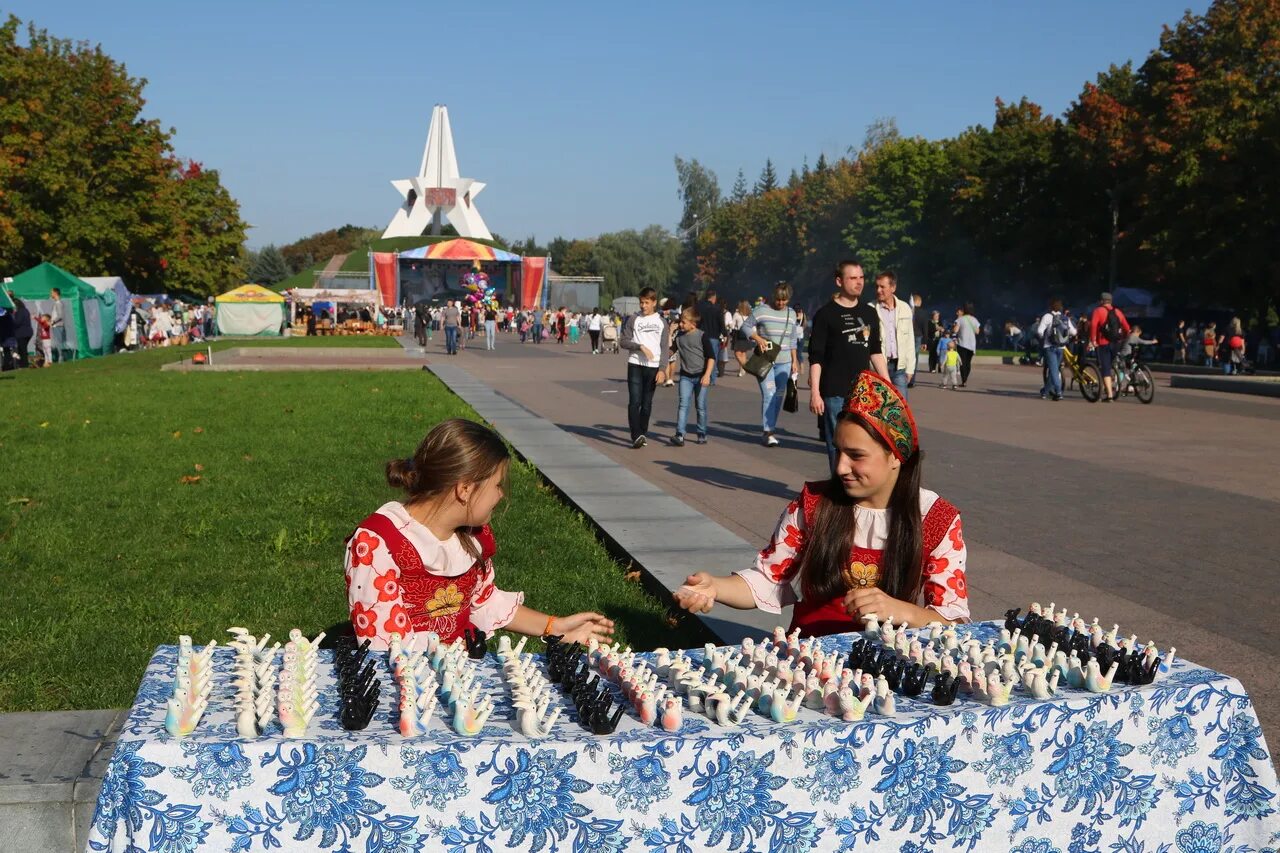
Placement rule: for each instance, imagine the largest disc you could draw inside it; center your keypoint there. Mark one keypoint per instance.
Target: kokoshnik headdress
(881, 406)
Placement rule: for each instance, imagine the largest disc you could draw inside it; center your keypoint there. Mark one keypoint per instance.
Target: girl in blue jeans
(774, 326)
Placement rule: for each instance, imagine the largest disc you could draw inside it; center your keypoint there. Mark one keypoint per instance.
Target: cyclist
(1108, 329)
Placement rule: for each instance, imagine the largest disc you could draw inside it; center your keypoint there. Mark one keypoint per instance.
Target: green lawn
(106, 553)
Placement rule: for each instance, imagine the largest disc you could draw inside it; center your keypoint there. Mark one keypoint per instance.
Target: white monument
(438, 191)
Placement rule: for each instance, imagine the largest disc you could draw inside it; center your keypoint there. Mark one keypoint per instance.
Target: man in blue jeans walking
(452, 320)
(844, 342)
(1055, 331)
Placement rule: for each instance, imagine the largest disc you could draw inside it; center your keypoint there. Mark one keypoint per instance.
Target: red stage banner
(533, 272)
(386, 267)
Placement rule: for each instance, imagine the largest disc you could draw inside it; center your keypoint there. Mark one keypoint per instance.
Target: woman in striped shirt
(774, 326)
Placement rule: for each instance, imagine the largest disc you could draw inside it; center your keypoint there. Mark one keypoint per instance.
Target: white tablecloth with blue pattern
(1180, 765)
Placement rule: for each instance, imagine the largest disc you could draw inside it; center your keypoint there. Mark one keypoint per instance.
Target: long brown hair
(455, 451)
(830, 539)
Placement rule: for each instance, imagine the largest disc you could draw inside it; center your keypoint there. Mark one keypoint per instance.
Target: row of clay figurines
(255, 681)
(439, 675)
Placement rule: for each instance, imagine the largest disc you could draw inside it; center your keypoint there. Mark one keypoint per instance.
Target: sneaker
(769, 440)
(639, 442)
(702, 439)
(677, 440)
(1055, 397)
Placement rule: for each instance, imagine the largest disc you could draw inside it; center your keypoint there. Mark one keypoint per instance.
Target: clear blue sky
(572, 112)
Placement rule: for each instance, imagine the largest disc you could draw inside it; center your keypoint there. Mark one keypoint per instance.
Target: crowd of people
(462, 322)
(44, 339)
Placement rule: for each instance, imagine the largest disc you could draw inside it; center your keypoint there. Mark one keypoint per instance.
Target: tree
(880, 132)
(86, 182)
(768, 179)
(632, 260)
(316, 249)
(268, 267)
(699, 189)
(740, 191)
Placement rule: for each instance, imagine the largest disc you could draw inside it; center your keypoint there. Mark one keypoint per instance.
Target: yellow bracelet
(546, 632)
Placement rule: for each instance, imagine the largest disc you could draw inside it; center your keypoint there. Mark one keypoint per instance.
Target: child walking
(642, 336)
(951, 366)
(695, 358)
(426, 563)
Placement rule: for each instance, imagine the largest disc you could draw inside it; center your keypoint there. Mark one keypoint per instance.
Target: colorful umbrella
(460, 250)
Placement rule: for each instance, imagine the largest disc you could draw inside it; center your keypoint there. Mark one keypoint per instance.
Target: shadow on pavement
(607, 433)
(730, 480)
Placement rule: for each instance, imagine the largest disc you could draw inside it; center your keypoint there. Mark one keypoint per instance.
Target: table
(1179, 765)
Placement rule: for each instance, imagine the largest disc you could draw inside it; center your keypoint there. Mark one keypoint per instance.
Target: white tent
(124, 298)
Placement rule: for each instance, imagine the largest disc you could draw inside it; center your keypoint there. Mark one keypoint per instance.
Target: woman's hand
(698, 593)
(867, 600)
(582, 627)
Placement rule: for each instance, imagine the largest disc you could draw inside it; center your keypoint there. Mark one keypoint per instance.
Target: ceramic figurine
(1166, 665)
(998, 691)
(1042, 687)
(782, 709)
(468, 716)
(884, 703)
(945, 688)
(672, 716)
(813, 698)
(852, 708)
(1095, 681)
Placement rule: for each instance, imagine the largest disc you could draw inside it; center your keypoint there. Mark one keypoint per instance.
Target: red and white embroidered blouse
(401, 578)
(775, 580)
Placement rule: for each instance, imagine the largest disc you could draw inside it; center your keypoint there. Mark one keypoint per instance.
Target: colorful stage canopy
(459, 250)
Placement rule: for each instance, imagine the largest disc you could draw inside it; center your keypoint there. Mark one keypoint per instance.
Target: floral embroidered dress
(775, 579)
(401, 578)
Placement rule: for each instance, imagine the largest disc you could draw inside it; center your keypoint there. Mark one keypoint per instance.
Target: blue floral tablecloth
(1180, 765)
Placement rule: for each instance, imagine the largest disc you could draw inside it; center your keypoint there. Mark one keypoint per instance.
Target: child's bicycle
(1084, 374)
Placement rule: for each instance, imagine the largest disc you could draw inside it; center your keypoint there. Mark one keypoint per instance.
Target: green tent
(90, 315)
(5, 302)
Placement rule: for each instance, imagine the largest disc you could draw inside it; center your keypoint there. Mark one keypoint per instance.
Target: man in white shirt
(642, 336)
(897, 332)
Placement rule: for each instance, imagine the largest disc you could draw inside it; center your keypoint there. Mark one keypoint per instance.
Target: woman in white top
(593, 329)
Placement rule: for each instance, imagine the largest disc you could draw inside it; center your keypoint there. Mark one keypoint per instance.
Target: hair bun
(400, 474)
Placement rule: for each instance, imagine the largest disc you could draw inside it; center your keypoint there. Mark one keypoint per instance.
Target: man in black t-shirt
(712, 323)
(844, 341)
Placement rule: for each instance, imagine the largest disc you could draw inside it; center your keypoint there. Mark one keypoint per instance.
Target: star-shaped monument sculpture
(438, 191)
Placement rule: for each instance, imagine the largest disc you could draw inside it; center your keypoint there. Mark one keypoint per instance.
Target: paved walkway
(1160, 517)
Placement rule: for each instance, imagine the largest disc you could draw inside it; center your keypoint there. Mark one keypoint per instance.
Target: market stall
(90, 315)
(1134, 766)
(251, 310)
(337, 303)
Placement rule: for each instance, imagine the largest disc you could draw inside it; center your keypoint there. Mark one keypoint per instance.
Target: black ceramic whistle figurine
(914, 678)
(945, 688)
(892, 673)
(475, 640)
(603, 724)
(1011, 623)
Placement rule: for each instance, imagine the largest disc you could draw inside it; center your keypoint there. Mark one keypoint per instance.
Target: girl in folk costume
(426, 564)
(869, 540)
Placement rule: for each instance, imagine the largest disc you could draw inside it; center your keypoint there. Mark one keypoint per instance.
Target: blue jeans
(490, 326)
(451, 340)
(1053, 364)
(537, 333)
(830, 413)
(772, 390)
(898, 376)
(691, 387)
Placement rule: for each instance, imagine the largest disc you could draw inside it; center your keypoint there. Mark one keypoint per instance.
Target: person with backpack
(1108, 330)
(1055, 331)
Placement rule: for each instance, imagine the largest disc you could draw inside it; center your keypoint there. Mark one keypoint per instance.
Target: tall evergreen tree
(268, 267)
(768, 179)
(740, 191)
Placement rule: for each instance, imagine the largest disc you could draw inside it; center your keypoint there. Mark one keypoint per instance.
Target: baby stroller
(609, 337)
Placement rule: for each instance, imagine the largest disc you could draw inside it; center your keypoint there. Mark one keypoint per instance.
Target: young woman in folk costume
(869, 540)
(426, 564)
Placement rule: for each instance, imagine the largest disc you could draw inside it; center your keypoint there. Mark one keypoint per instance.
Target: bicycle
(1133, 375)
(1083, 373)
